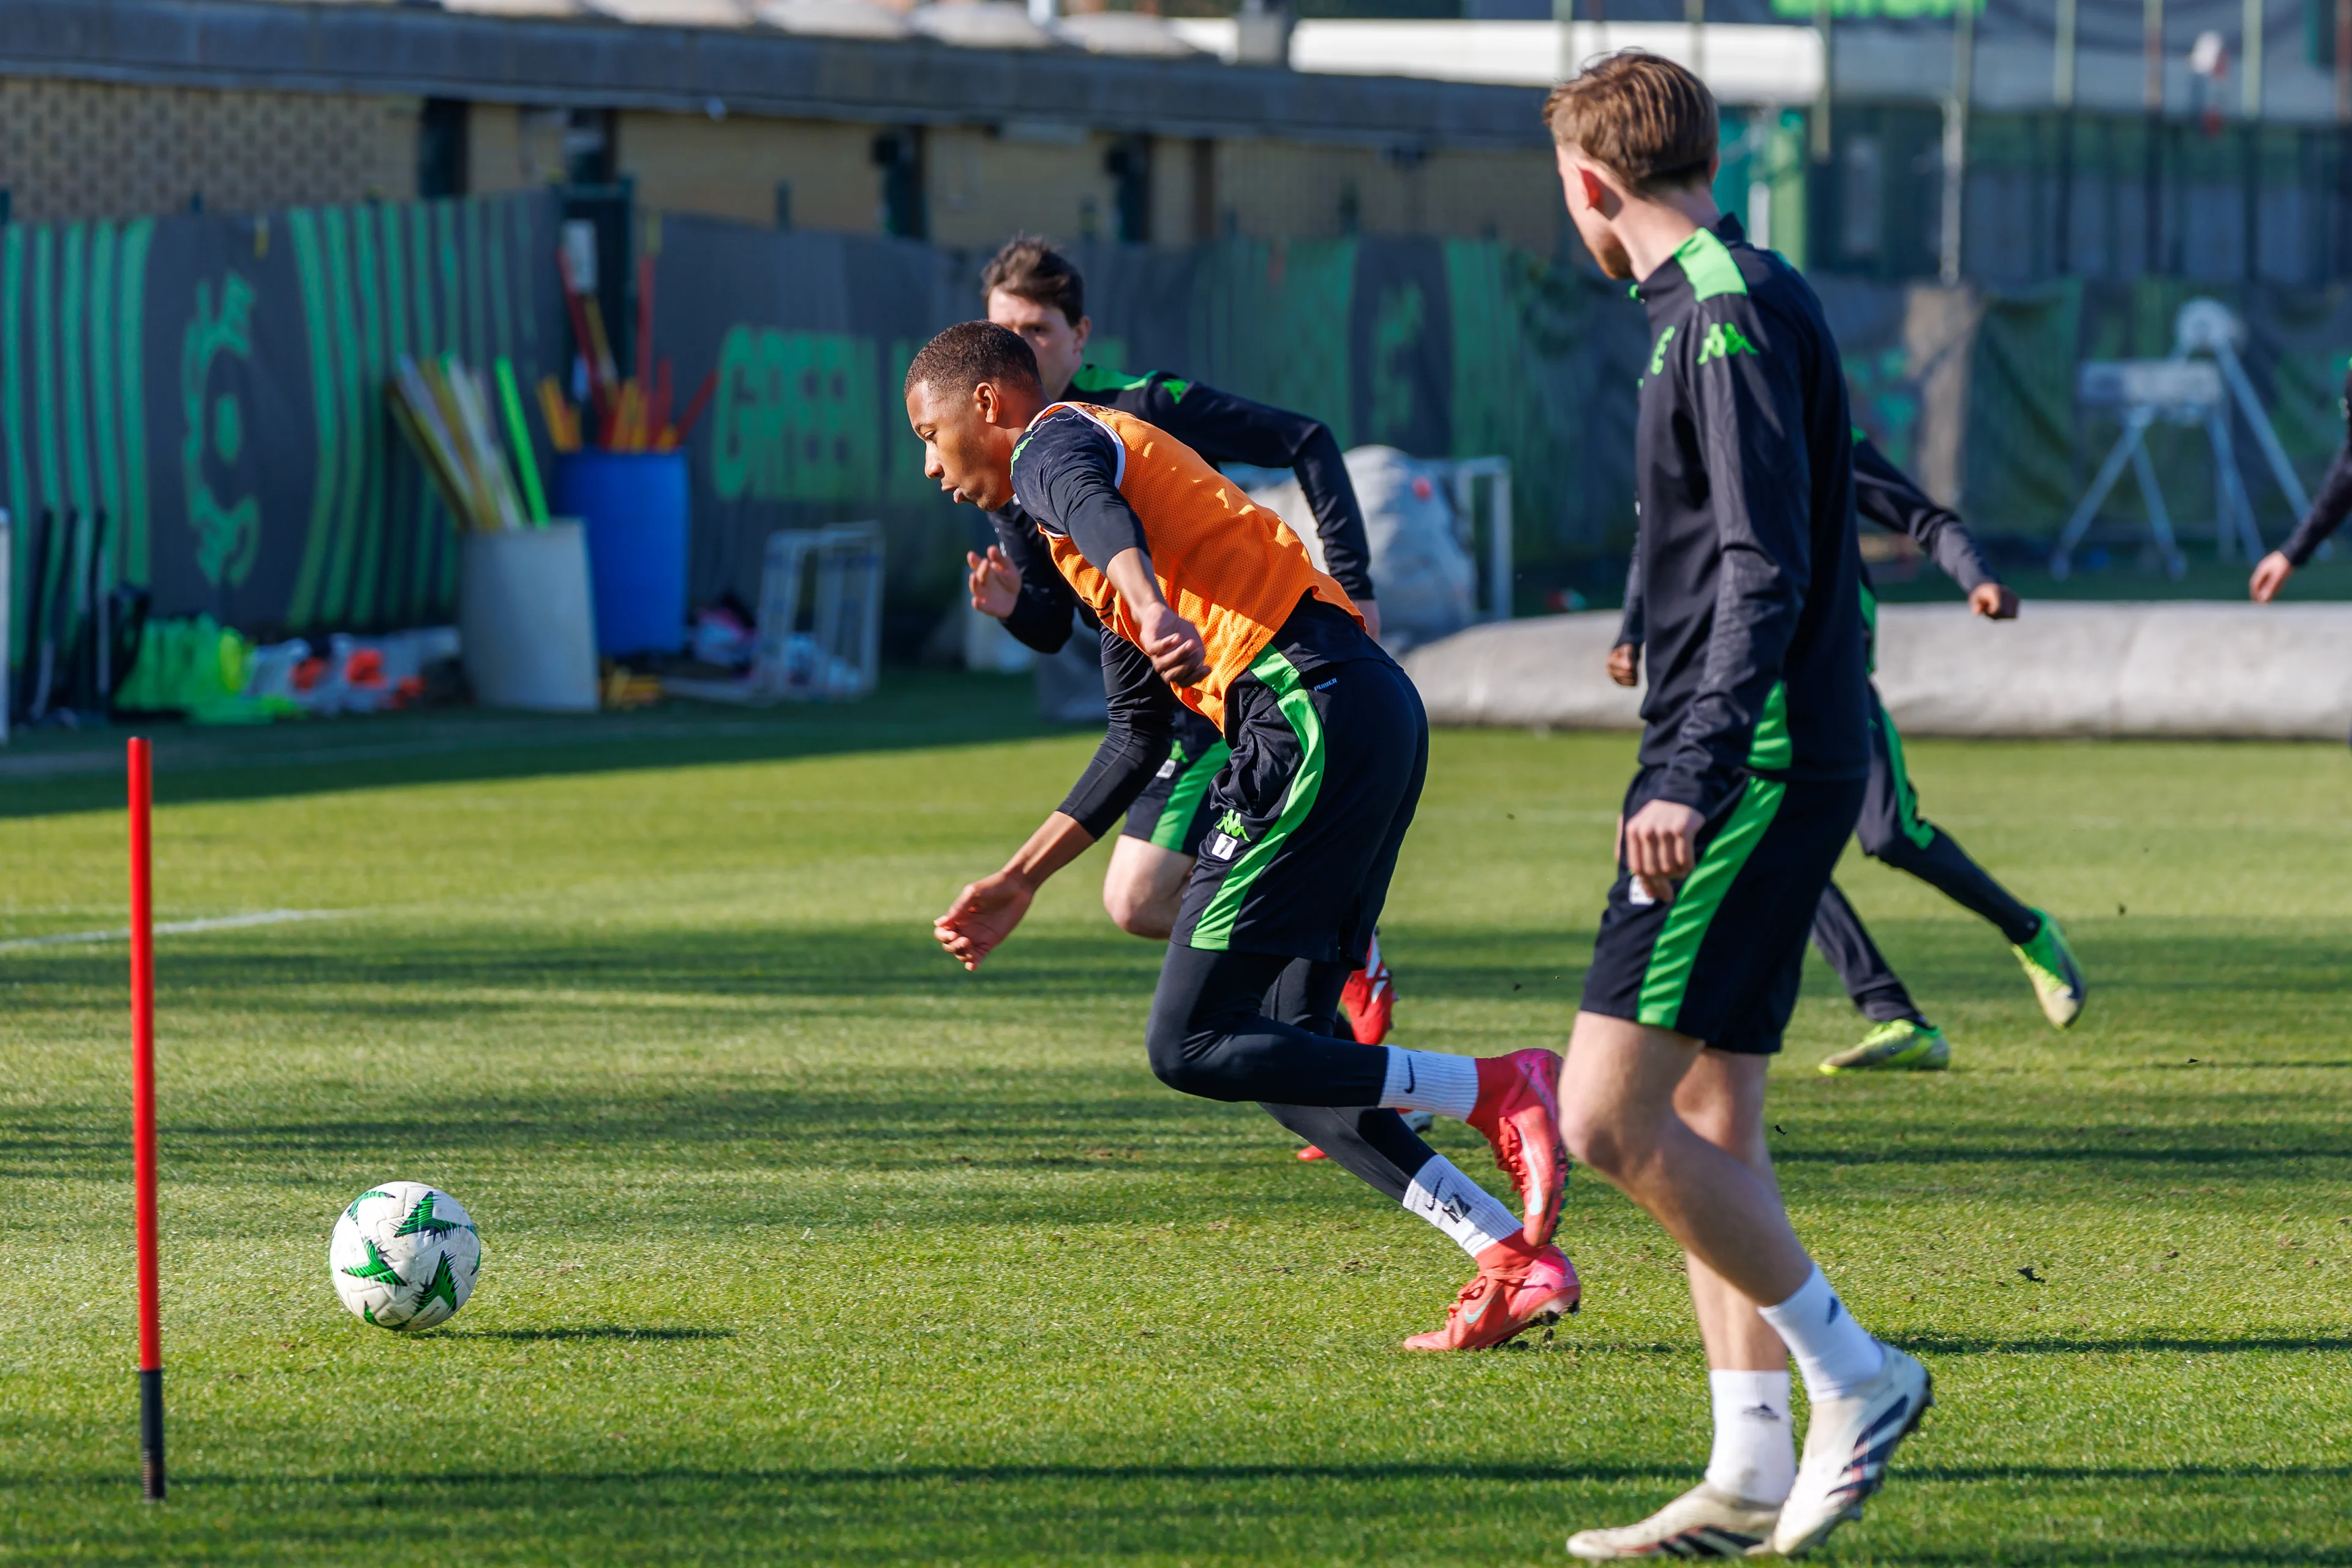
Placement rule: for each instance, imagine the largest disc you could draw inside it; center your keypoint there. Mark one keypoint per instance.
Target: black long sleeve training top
(1884, 495)
(2334, 501)
(1066, 473)
(1750, 575)
(1223, 429)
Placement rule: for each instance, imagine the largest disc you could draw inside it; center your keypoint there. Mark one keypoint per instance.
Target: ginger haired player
(1754, 758)
(1213, 605)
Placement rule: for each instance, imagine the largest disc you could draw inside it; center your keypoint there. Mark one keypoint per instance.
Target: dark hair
(971, 352)
(1640, 116)
(1030, 269)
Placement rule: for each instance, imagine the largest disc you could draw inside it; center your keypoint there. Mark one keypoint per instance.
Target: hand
(994, 582)
(983, 915)
(2270, 576)
(1372, 614)
(1625, 664)
(1993, 601)
(1172, 644)
(1659, 844)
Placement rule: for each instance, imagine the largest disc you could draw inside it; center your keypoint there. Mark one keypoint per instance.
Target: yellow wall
(730, 167)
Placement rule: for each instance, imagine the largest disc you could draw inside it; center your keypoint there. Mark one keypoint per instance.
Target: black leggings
(1260, 1026)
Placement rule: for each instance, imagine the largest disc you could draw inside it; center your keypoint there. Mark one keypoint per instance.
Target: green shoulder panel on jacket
(1095, 378)
(1709, 266)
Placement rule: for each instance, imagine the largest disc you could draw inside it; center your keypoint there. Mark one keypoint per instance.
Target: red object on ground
(142, 1116)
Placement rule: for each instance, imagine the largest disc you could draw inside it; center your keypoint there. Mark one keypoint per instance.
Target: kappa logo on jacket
(1722, 341)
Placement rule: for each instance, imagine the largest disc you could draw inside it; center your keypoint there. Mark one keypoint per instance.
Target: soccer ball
(403, 1256)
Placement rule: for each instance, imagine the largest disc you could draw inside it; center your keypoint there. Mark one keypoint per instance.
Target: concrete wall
(72, 151)
(2279, 672)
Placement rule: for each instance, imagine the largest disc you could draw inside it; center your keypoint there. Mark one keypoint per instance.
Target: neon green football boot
(2049, 963)
(1901, 1043)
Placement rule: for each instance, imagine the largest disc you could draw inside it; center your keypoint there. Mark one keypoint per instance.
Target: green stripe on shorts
(1214, 932)
(1676, 950)
(1192, 787)
(1906, 802)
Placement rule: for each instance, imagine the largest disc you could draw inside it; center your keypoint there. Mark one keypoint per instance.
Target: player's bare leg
(1732, 1512)
(1143, 885)
(1624, 1089)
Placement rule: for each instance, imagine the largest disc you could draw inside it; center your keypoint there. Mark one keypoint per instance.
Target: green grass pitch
(803, 1245)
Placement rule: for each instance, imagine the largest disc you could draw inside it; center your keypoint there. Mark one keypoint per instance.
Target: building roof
(706, 56)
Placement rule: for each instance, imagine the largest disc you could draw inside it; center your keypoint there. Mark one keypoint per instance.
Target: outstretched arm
(1885, 494)
(1134, 743)
(2328, 510)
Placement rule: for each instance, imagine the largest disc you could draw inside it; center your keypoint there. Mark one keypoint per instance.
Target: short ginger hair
(1644, 118)
(1030, 269)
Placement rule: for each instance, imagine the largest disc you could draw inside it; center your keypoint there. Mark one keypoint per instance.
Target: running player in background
(1212, 603)
(1892, 830)
(2328, 510)
(1031, 288)
(1754, 760)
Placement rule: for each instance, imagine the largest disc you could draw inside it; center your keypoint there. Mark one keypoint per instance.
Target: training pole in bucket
(142, 1118)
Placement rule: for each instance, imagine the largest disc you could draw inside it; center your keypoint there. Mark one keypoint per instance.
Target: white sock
(1831, 1350)
(1755, 1443)
(1474, 1217)
(1431, 1080)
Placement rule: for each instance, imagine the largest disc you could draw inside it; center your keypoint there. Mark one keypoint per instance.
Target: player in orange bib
(1212, 603)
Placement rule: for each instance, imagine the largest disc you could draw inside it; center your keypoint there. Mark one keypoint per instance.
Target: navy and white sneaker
(1704, 1521)
(1848, 1444)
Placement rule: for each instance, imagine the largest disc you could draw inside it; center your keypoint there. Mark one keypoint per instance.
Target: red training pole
(142, 1116)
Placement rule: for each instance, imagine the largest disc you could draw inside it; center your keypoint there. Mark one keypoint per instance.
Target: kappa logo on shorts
(1226, 842)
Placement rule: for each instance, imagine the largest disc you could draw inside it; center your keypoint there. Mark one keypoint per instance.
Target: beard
(1609, 255)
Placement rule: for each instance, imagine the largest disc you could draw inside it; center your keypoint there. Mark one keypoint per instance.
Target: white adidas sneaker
(1848, 1443)
(1704, 1521)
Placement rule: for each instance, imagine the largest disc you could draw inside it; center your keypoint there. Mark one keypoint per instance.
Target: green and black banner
(213, 387)
(1443, 348)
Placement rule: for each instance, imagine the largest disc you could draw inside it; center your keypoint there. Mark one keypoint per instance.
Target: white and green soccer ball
(403, 1256)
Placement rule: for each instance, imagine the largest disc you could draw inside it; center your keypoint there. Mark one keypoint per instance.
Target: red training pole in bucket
(142, 1118)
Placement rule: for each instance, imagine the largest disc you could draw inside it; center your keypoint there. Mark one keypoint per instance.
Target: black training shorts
(1721, 962)
(1174, 812)
(1309, 812)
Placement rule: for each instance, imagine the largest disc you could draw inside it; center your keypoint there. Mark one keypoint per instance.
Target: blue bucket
(634, 506)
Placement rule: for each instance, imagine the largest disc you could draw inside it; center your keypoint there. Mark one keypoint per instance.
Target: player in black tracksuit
(1756, 715)
(2328, 510)
(1891, 829)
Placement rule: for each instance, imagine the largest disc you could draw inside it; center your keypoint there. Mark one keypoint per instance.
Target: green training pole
(519, 433)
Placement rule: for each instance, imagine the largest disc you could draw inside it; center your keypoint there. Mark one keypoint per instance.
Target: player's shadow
(589, 1331)
(1971, 1344)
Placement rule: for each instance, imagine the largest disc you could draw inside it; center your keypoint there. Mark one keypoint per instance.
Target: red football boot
(1369, 998)
(1518, 1110)
(1312, 1152)
(1518, 1288)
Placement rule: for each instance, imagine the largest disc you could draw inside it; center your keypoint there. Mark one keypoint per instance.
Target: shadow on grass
(48, 773)
(1959, 1344)
(593, 1331)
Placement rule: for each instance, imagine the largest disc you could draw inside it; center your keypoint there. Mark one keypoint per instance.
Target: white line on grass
(176, 928)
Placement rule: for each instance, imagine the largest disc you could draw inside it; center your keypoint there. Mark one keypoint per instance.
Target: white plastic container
(526, 620)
